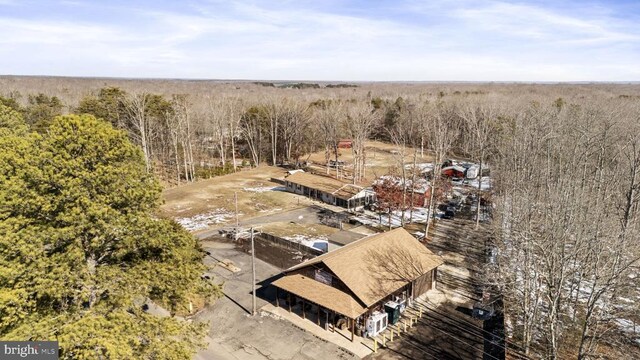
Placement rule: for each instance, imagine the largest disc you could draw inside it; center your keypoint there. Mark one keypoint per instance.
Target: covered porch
(326, 306)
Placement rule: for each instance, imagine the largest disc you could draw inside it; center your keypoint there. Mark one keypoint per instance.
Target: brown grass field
(218, 193)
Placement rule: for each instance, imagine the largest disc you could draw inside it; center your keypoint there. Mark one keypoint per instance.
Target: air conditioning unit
(376, 323)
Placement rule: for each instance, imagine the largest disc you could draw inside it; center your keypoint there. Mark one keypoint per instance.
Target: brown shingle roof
(321, 294)
(378, 265)
(338, 188)
(345, 237)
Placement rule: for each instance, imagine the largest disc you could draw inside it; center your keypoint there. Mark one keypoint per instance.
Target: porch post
(277, 299)
(289, 298)
(304, 314)
(326, 323)
(413, 294)
(433, 278)
(333, 325)
(353, 329)
(318, 315)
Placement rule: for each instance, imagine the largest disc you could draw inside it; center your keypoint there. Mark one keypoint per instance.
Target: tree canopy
(41, 110)
(80, 249)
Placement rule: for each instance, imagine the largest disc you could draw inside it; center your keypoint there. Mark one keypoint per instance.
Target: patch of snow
(203, 221)
(271, 210)
(629, 328)
(422, 167)
(308, 240)
(373, 219)
(486, 183)
(262, 189)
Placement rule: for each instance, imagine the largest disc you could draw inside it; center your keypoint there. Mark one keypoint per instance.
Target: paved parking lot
(235, 335)
(303, 215)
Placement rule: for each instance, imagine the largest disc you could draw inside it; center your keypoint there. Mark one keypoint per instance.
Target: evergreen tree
(41, 110)
(80, 250)
(11, 102)
(107, 105)
(11, 120)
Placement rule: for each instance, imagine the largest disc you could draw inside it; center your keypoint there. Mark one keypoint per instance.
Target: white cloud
(19, 31)
(538, 23)
(478, 41)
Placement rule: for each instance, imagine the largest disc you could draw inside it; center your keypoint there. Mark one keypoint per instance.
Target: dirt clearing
(382, 159)
(210, 202)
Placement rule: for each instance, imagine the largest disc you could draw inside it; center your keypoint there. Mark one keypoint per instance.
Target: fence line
(290, 244)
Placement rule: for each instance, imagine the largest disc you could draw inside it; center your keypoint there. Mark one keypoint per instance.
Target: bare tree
(360, 119)
(330, 119)
(183, 118)
(478, 121)
(443, 133)
(404, 134)
(294, 121)
(136, 106)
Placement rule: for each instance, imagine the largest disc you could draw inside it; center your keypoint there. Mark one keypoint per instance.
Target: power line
(479, 329)
(458, 339)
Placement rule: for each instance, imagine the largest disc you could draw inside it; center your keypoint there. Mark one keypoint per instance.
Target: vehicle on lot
(448, 214)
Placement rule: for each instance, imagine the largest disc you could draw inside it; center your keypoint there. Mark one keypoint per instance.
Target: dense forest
(565, 161)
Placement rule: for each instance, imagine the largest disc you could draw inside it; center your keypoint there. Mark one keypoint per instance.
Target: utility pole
(253, 271)
(235, 198)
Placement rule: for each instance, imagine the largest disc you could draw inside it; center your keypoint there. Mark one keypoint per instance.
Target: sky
(324, 40)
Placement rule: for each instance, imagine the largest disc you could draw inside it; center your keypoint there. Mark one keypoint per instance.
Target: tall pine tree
(80, 249)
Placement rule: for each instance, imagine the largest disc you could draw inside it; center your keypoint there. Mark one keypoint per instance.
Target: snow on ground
(624, 304)
(203, 221)
(370, 218)
(473, 183)
(309, 241)
(421, 184)
(630, 328)
(423, 167)
(270, 210)
(486, 183)
(262, 189)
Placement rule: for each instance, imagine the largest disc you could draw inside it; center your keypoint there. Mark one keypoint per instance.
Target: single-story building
(345, 144)
(455, 171)
(363, 285)
(329, 190)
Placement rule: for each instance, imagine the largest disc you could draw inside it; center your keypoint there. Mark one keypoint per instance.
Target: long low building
(360, 286)
(329, 190)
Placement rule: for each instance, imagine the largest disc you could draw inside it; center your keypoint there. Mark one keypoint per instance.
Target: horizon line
(311, 81)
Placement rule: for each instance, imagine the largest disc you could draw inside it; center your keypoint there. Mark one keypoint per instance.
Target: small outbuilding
(455, 171)
(345, 144)
(361, 286)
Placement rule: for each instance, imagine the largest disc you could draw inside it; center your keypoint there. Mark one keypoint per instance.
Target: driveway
(304, 215)
(236, 335)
